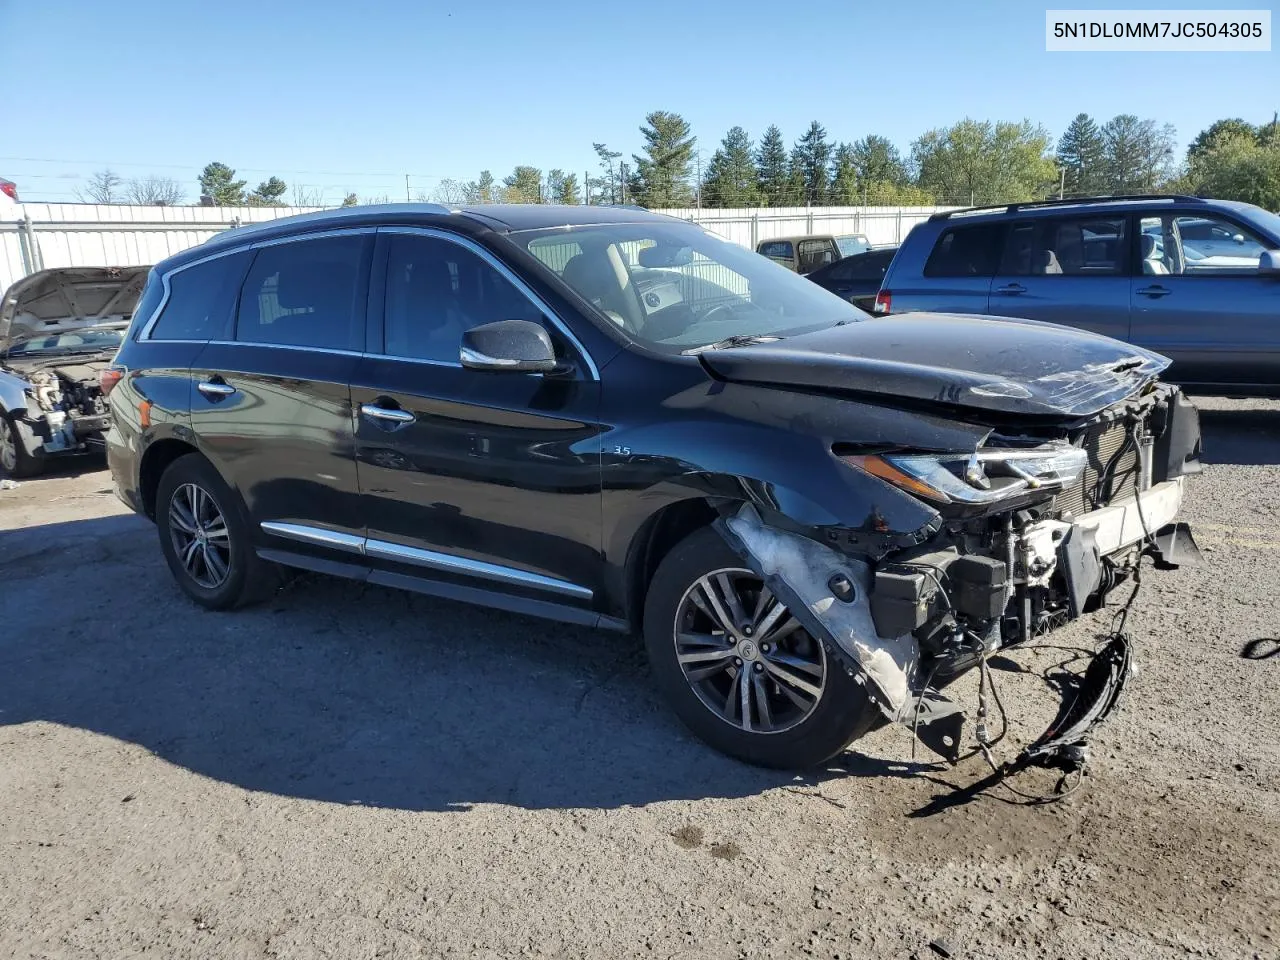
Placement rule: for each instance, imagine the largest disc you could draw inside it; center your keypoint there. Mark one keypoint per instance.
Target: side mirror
(1269, 263)
(513, 346)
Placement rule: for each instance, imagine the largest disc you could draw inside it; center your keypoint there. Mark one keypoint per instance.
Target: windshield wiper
(737, 340)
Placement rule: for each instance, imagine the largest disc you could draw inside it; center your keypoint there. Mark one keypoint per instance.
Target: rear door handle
(1155, 291)
(215, 389)
(376, 412)
(1011, 289)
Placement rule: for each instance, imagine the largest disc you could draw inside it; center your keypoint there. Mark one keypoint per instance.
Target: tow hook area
(829, 593)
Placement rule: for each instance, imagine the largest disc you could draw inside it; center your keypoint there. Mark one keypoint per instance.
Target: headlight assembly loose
(982, 477)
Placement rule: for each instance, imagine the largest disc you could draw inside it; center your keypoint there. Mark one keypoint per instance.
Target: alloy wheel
(745, 655)
(200, 537)
(8, 447)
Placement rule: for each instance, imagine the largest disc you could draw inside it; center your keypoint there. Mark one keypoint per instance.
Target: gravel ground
(354, 773)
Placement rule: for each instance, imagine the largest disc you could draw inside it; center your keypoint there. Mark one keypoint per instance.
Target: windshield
(674, 287)
(851, 244)
(87, 340)
(1267, 220)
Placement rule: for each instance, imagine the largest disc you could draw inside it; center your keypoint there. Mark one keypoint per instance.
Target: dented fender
(829, 593)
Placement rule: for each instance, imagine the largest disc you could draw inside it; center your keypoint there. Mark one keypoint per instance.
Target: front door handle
(1155, 291)
(375, 412)
(1011, 289)
(215, 389)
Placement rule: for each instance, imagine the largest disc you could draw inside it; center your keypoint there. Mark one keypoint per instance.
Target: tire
(15, 459)
(806, 730)
(222, 571)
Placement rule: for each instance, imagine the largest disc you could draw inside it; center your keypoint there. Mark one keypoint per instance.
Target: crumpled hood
(984, 363)
(68, 298)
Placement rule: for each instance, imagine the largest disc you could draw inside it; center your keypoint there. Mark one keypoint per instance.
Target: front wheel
(15, 459)
(205, 537)
(739, 669)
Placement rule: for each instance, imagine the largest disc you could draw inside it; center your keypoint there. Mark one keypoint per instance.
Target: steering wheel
(732, 309)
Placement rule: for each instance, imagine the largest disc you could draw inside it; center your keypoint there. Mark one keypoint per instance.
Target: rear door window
(777, 249)
(1067, 248)
(307, 293)
(202, 300)
(969, 251)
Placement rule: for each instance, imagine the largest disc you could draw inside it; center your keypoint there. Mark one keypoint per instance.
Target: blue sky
(342, 95)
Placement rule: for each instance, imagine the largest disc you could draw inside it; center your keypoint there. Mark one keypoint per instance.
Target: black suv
(614, 418)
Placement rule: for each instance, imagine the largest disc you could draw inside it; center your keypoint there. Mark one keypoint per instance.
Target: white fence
(748, 226)
(37, 236)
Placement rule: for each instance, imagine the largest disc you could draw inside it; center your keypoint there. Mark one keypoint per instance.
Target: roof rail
(327, 216)
(1066, 202)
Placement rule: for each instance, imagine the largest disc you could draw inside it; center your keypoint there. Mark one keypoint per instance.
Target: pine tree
(1082, 154)
(523, 186)
(771, 167)
(844, 176)
(567, 190)
(811, 159)
(607, 188)
(482, 190)
(662, 174)
(219, 183)
(268, 193)
(731, 179)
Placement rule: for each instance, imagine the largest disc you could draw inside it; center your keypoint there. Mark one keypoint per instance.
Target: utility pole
(406, 188)
(1062, 181)
(697, 159)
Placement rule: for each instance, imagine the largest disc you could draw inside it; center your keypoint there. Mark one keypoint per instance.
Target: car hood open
(68, 298)
(983, 363)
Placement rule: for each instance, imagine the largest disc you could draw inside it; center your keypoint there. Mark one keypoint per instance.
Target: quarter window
(966, 252)
(201, 300)
(436, 289)
(306, 293)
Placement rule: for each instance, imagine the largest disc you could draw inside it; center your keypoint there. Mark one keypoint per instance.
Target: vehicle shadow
(1248, 437)
(64, 468)
(343, 693)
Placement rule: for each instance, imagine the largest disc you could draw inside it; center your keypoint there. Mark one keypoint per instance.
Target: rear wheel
(738, 668)
(205, 537)
(15, 460)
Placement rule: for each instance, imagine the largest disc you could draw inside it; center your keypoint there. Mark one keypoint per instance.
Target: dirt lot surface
(352, 773)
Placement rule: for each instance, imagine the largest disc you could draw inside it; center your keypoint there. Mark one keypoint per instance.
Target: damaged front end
(59, 330)
(1031, 529)
(66, 411)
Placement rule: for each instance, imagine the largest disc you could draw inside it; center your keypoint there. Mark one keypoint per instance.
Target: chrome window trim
(430, 559)
(400, 359)
(281, 346)
(144, 335)
(525, 290)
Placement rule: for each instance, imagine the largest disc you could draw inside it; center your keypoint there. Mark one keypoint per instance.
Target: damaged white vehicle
(59, 330)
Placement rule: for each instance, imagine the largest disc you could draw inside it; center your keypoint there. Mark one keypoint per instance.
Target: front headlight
(982, 477)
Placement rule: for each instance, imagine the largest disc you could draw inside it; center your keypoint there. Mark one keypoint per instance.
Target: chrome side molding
(430, 559)
(314, 535)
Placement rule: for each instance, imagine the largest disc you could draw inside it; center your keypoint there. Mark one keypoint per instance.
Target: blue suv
(1194, 279)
